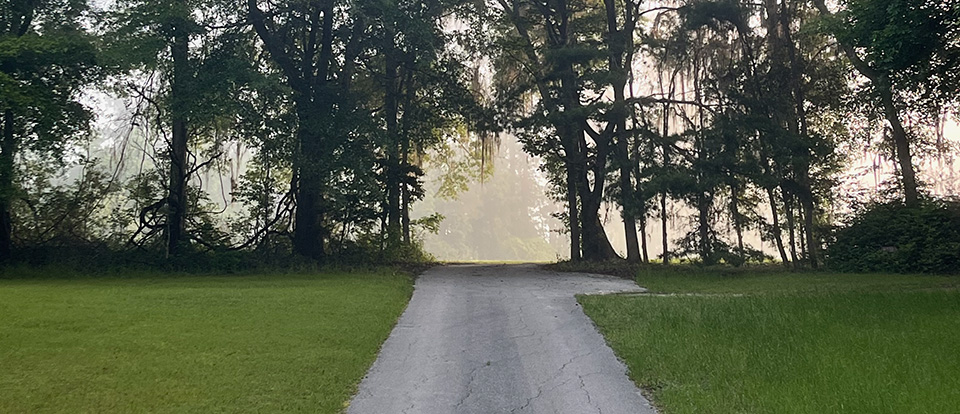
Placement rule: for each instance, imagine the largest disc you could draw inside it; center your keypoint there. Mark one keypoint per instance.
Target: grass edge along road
(151, 343)
(762, 342)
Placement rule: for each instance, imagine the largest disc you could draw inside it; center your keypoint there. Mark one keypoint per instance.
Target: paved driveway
(491, 339)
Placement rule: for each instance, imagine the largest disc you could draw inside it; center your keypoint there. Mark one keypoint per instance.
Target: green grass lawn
(265, 343)
(757, 342)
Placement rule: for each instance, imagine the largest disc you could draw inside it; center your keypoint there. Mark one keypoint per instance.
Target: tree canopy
(307, 127)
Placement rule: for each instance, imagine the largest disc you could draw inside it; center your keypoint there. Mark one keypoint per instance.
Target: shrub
(891, 237)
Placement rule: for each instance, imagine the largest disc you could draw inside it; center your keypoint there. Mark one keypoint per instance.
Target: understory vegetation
(168, 343)
(722, 341)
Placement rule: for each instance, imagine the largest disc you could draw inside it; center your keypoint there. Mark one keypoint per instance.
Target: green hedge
(891, 237)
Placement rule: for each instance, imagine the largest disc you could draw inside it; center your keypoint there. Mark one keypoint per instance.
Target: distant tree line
(323, 112)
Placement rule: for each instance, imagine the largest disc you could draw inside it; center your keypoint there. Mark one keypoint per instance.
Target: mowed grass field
(789, 343)
(192, 344)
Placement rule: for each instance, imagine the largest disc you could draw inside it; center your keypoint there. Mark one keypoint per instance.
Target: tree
(202, 54)
(620, 49)
(553, 49)
(424, 96)
(909, 51)
(372, 85)
(758, 117)
(46, 58)
(303, 39)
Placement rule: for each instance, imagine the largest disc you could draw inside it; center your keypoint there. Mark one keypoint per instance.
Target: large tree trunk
(177, 187)
(313, 93)
(308, 240)
(771, 22)
(596, 245)
(8, 149)
(309, 234)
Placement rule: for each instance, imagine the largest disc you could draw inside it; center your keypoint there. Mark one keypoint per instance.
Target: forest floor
(755, 341)
(179, 344)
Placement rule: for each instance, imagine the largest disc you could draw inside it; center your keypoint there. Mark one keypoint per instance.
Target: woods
(307, 127)
(738, 105)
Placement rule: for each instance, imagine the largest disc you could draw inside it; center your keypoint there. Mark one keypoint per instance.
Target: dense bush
(894, 238)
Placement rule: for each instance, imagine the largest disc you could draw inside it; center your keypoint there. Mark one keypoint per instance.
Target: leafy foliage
(890, 237)
(308, 127)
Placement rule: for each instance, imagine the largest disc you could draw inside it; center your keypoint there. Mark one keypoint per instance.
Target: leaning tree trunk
(812, 245)
(177, 187)
(777, 233)
(791, 227)
(904, 158)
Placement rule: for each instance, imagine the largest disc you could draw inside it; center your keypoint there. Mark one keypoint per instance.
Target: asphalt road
(491, 339)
